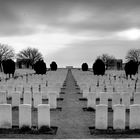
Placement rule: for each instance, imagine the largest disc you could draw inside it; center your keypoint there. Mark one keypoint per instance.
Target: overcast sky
(71, 32)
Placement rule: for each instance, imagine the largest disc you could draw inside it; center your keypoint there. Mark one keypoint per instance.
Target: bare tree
(133, 54)
(106, 59)
(29, 56)
(6, 52)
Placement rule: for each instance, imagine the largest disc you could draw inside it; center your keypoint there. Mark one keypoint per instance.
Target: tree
(107, 59)
(8, 66)
(84, 67)
(29, 56)
(53, 66)
(131, 68)
(40, 67)
(6, 52)
(133, 54)
(99, 67)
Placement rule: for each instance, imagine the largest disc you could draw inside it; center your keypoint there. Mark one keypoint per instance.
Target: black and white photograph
(69, 69)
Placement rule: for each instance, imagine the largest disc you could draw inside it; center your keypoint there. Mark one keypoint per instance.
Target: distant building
(69, 67)
(22, 64)
(115, 64)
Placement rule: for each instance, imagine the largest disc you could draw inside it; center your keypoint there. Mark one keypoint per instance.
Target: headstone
(5, 116)
(24, 115)
(15, 99)
(19, 88)
(27, 98)
(85, 92)
(126, 99)
(91, 100)
(116, 99)
(35, 89)
(3, 97)
(136, 98)
(52, 100)
(103, 98)
(52, 89)
(109, 88)
(27, 88)
(10, 90)
(134, 122)
(37, 96)
(43, 115)
(101, 117)
(119, 117)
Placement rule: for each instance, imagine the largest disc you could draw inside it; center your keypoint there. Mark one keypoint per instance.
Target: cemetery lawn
(72, 121)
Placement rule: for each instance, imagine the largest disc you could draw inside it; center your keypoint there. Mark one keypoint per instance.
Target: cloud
(22, 17)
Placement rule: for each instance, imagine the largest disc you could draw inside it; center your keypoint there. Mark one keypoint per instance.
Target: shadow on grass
(110, 131)
(27, 130)
(90, 109)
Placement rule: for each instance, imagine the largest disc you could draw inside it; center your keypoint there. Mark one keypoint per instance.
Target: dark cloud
(91, 15)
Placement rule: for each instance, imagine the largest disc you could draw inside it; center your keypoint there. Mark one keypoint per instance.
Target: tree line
(31, 57)
(103, 61)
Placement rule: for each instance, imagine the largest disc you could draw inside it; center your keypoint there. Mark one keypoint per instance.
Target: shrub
(8, 66)
(84, 67)
(44, 129)
(131, 68)
(40, 67)
(99, 67)
(53, 66)
(25, 129)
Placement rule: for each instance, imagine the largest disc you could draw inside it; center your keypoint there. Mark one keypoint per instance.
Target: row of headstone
(124, 99)
(119, 117)
(27, 99)
(34, 83)
(37, 99)
(25, 115)
(27, 88)
(111, 85)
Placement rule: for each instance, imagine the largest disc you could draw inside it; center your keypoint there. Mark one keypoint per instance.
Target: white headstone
(53, 100)
(44, 92)
(25, 115)
(35, 89)
(5, 116)
(126, 99)
(101, 117)
(136, 98)
(37, 96)
(10, 90)
(27, 88)
(119, 117)
(91, 100)
(27, 98)
(52, 89)
(116, 99)
(103, 98)
(134, 122)
(43, 115)
(3, 98)
(15, 99)
(19, 88)
(85, 92)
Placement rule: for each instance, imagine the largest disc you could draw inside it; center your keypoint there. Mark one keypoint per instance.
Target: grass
(72, 122)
